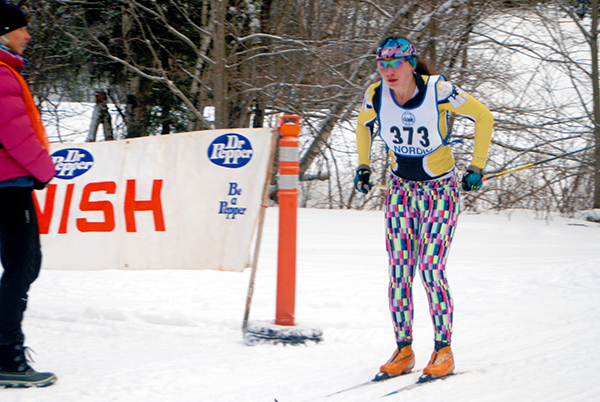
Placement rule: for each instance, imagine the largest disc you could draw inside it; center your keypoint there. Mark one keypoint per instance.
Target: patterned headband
(392, 52)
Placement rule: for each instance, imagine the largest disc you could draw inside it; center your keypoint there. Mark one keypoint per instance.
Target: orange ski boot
(440, 365)
(401, 362)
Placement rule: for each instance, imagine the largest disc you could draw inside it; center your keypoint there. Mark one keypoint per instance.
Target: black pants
(21, 257)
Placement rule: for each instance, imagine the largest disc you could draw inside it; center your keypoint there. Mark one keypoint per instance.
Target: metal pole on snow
(261, 220)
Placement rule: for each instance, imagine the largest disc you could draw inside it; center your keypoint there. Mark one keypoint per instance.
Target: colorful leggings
(421, 219)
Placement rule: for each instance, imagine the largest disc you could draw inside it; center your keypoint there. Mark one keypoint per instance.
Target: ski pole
(516, 169)
(530, 165)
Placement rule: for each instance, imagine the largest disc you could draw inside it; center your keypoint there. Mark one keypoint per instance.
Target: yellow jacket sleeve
(364, 127)
(464, 104)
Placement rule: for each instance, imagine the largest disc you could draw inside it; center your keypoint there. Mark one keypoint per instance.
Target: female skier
(24, 165)
(411, 106)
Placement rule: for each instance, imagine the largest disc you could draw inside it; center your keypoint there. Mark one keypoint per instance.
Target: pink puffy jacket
(21, 154)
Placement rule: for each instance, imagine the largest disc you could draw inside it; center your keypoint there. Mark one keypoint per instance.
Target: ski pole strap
(449, 141)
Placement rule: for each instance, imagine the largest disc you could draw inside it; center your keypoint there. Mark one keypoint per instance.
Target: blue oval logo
(408, 118)
(230, 150)
(72, 162)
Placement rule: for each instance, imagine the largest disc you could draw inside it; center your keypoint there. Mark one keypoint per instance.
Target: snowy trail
(526, 320)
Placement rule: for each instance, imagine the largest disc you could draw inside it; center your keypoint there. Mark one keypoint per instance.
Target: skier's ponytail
(425, 67)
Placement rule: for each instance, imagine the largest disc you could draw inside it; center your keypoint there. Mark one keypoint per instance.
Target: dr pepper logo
(230, 150)
(72, 162)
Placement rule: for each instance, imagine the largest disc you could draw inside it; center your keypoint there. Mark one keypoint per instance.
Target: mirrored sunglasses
(393, 63)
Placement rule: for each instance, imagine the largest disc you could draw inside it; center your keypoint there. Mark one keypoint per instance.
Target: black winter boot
(16, 372)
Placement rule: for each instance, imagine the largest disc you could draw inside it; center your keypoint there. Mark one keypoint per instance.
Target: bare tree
(172, 60)
(545, 98)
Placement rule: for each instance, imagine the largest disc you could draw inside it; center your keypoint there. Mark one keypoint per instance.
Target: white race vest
(411, 132)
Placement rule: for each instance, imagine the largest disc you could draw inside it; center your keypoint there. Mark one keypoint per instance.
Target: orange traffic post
(289, 169)
(285, 330)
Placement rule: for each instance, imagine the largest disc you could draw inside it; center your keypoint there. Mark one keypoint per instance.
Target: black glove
(361, 180)
(473, 179)
(38, 185)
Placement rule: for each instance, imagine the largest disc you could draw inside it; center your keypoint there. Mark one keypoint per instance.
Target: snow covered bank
(525, 323)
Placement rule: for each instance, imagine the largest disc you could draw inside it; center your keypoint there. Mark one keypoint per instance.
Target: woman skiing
(411, 105)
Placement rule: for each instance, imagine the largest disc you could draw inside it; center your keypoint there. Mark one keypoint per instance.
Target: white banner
(179, 201)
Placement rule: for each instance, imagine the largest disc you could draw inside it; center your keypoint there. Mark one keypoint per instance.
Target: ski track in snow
(526, 320)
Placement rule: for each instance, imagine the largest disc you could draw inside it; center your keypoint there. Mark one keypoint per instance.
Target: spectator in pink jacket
(25, 164)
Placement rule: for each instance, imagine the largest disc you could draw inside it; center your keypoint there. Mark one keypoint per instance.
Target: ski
(423, 380)
(378, 379)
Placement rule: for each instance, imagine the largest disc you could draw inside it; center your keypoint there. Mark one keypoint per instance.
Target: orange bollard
(289, 168)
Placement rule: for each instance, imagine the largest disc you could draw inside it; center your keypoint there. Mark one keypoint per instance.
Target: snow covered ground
(527, 320)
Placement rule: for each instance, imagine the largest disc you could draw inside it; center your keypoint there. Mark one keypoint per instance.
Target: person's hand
(39, 185)
(473, 179)
(361, 180)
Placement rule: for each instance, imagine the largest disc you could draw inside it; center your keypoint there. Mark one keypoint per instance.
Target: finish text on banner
(179, 201)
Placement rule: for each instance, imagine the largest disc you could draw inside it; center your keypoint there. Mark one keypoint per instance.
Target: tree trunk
(133, 112)
(219, 85)
(102, 105)
(596, 93)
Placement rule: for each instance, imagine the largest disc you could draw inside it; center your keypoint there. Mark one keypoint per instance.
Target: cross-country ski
(423, 380)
